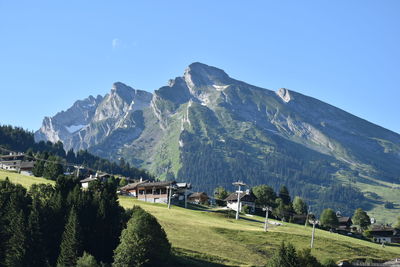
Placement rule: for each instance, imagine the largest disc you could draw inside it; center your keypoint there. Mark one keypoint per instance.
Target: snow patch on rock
(220, 87)
(74, 128)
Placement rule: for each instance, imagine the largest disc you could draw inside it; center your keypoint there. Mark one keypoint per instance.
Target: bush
(143, 242)
(87, 260)
(389, 205)
(246, 209)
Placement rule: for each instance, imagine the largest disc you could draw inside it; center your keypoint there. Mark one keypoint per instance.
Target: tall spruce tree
(284, 195)
(15, 255)
(70, 244)
(35, 248)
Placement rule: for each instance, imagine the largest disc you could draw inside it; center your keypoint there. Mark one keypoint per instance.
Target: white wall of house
(234, 205)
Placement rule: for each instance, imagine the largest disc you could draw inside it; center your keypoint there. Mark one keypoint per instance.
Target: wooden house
(155, 192)
(198, 198)
(345, 224)
(131, 189)
(246, 198)
(384, 234)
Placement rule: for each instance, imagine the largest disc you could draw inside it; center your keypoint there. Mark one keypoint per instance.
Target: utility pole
(308, 212)
(238, 184)
(169, 196)
(267, 209)
(185, 199)
(312, 235)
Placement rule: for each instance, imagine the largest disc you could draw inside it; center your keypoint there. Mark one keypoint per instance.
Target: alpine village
(207, 169)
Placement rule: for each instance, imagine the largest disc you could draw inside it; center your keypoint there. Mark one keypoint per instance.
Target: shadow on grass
(184, 257)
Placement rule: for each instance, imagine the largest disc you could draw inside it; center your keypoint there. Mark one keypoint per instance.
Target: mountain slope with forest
(210, 129)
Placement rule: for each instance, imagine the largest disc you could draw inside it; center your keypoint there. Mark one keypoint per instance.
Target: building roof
(27, 164)
(198, 195)
(243, 197)
(132, 185)
(12, 156)
(344, 219)
(161, 184)
(89, 179)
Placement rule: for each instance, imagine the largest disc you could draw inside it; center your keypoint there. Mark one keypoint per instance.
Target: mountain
(210, 129)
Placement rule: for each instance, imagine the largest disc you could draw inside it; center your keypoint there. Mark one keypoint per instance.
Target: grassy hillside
(205, 237)
(214, 237)
(24, 180)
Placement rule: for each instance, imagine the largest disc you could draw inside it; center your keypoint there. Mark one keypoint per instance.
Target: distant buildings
(16, 162)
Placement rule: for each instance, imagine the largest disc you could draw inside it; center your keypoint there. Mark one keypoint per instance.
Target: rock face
(91, 121)
(208, 128)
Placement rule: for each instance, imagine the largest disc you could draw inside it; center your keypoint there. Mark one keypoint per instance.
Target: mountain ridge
(204, 125)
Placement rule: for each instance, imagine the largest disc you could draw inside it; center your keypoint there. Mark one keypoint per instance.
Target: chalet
(85, 182)
(345, 224)
(155, 192)
(246, 198)
(131, 189)
(384, 234)
(26, 167)
(198, 198)
(98, 176)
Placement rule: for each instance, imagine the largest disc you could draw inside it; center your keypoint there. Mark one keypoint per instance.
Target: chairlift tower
(239, 184)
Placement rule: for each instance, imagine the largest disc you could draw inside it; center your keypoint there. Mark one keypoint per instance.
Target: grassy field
(214, 237)
(384, 192)
(24, 180)
(209, 238)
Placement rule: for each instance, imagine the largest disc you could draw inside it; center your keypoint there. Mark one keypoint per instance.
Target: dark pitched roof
(344, 219)
(27, 164)
(89, 179)
(133, 185)
(153, 184)
(243, 197)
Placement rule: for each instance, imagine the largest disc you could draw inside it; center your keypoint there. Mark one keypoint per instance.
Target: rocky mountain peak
(124, 91)
(199, 75)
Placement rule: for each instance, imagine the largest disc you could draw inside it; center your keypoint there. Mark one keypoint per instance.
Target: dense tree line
(54, 225)
(18, 139)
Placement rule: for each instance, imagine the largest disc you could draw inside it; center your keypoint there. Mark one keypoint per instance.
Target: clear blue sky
(346, 53)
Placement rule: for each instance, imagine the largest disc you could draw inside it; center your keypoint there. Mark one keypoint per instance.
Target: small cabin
(198, 198)
(246, 198)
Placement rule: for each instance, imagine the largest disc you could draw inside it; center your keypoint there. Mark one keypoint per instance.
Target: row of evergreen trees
(54, 225)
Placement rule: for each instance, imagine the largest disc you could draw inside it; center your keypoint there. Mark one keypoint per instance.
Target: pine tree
(266, 196)
(143, 242)
(284, 195)
(36, 253)
(70, 245)
(15, 255)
